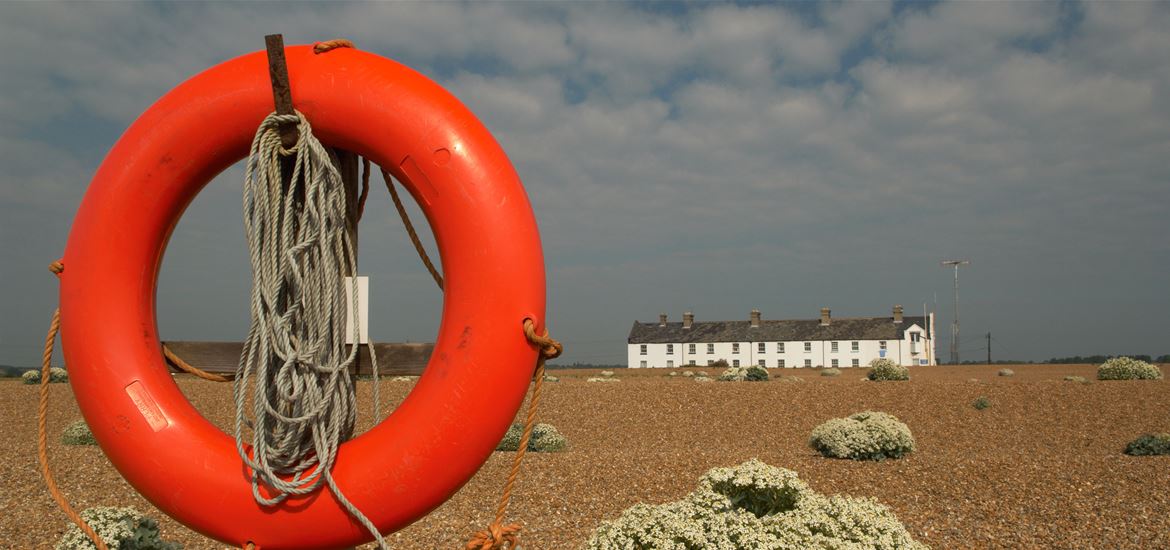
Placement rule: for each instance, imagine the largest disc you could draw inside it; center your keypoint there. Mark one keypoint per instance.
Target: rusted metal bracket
(281, 92)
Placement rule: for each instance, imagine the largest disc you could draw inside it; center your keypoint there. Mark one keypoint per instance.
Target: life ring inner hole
(204, 285)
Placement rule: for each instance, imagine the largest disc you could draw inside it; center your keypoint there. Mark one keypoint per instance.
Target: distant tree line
(585, 366)
(1098, 359)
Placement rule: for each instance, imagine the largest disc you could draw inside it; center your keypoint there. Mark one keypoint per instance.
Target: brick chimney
(688, 319)
(826, 317)
(661, 319)
(755, 318)
(898, 314)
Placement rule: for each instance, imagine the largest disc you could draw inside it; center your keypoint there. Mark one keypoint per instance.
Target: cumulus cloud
(711, 156)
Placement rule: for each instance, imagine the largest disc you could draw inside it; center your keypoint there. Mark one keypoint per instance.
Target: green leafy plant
(1007, 372)
(982, 403)
(865, 435)
(1127, 368)
(883, 369)
(1080, 379)
(120, 528)
(831, 372)
(78, 433)
(1149, 445)
(544, 439)
(755, 506)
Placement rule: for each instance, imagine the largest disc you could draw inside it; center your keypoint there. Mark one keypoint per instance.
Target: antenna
(955, 323)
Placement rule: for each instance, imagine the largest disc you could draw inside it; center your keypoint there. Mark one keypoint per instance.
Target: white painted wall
(794, 355)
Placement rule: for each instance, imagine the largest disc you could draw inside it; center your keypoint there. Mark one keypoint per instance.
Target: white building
(793, 343)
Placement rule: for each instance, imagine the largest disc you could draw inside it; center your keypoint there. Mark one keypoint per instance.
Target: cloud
(713, 156)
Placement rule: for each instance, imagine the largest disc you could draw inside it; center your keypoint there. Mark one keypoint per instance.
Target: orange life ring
(481, 365)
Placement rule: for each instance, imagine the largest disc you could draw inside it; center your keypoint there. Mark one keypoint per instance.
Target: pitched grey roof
(794, 330)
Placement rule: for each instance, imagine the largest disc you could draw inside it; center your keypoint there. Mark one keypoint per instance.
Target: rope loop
(330, 45)
(495, 537)
(549, 348)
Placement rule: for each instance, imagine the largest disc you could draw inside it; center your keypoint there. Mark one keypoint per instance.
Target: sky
(703, 156)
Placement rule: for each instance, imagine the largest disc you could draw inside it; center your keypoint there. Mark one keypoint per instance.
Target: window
(762, 364)
(808, 347)
(643, 364)
(857, 362)
(761, 347)
(735, 363)
(834, 363)
(670, 349)
(735, 348)
(779, 347)
(710, 349)
(855, 347)
(882, 345)
(670, 364)
(643, 350)
(691, 349)
(710, 362)
(808, 363)
(833, 347)
(915, 336)
(780, 363)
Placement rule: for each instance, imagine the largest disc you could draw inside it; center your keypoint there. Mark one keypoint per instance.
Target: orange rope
(57, 267)
(42, 439)
(188, 368)
(422, 253)
(497, 535)
(328, 45)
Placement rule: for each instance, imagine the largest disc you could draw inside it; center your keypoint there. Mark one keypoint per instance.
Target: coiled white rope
(295, 353)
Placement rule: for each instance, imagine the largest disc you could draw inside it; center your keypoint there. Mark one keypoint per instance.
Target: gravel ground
(1041, 468)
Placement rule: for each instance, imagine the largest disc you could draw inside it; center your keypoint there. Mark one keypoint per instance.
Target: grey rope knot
(295, 353)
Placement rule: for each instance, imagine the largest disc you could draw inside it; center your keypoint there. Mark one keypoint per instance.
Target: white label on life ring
(147, 406)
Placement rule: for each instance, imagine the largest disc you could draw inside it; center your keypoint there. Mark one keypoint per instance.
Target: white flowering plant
(753, 373)
(868, 435)
(57, 375)
(883, 369)
(120, 528)
(544, 439)
(1128, 368)
(758, 507)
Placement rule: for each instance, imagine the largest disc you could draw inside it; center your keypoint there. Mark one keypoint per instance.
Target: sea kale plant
(1126, 368)
(544, 439)
(78, 433)
(57, 375)
(1007, 372)
(883, 369)
(865, 435)
(120, 528)
(755, 506)
(754, 373)
(1149, 445)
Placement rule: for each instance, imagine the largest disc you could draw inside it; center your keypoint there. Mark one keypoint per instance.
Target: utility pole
(988, 348)
(955, 322)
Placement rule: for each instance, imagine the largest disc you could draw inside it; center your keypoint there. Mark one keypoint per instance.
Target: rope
(189, 369)
(418, 247)
(497, 535)
(42, 416)
(328, 45)
(303, 400)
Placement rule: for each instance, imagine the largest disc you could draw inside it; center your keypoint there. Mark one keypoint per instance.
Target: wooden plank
(224, 357)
